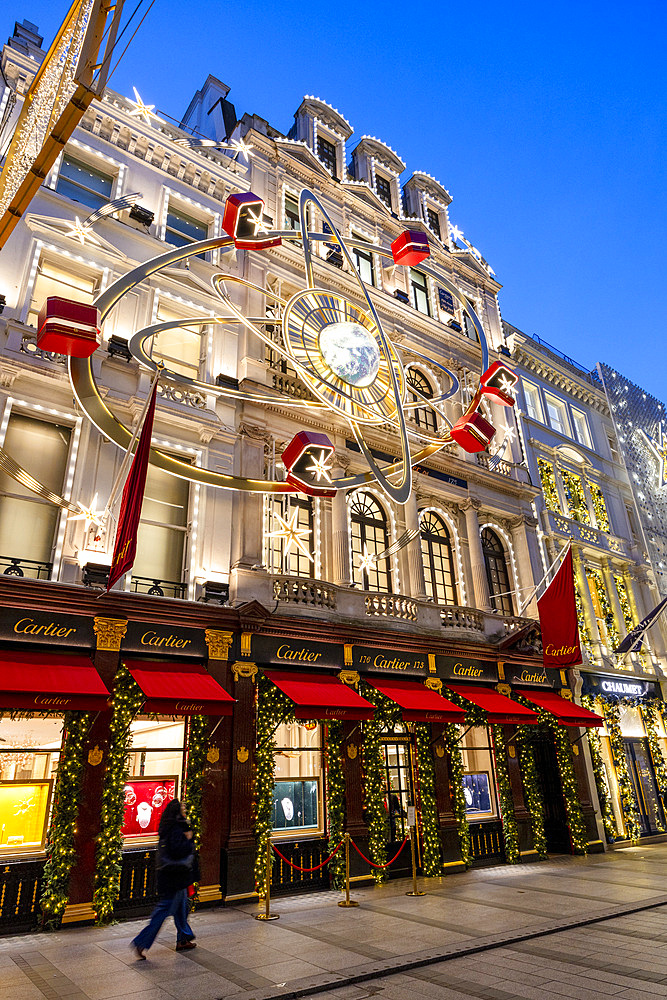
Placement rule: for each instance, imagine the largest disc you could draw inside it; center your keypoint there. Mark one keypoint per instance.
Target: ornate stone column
(479, 581)
(528, 567)
(247, 507)
(585, 596)
(342, 572)
(414, 551)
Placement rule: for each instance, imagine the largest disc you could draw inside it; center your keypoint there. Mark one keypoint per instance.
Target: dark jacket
(176, 861)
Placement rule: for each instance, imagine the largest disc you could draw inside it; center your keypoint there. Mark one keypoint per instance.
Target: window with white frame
(613, 446)
(419, 387)
(180, 348)
(282, 555)
(292, 218)
(84, 183)
(438, 557)
(497, 574)
(327, 153)
(419, 288)
(62, 277)
(433, 221)
(163, 530)
(369, 537)
(28, 524)
(581, 430)
(557, 414)
(182, 228)
(364, 262)
(532, 396)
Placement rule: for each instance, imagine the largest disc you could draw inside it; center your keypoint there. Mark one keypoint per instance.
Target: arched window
(438, 559)
(282, 554)
(496, 572)
(369, 536)
(423, 416)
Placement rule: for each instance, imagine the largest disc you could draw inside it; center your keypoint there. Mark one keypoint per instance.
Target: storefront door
(399, 795)
(555, 818)
(640, 766)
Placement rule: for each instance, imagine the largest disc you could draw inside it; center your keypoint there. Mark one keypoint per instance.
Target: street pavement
(583, 928)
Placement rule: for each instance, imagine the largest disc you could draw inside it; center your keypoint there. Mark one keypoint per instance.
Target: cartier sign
(164, 640)
(296, 652)
(46, 628)
(462, 668)
(532, 676)
(366, 658)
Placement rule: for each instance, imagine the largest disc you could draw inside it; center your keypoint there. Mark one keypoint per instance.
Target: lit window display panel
(297, 794)
(145, 801)
(29, 751)
(155, 765)
(479, 786)
(24, 813)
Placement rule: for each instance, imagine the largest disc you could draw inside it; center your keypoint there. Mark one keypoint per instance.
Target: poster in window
(295, 805)
(24, 811)
(145, 800)
(477, 794)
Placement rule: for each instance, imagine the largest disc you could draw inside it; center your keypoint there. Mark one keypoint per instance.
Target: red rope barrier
(369, 862)
(298, 867)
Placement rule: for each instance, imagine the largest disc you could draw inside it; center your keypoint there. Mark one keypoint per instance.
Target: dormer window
(383, 189)
(326, 151)
(433, 222)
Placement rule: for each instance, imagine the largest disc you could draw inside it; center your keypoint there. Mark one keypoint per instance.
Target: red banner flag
(558, 618)
(125, 548)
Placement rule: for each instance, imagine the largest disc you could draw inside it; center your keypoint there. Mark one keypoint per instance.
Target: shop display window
(479, 786)
(29, 751)
(297, 792)
(155, 776)
(398, 781)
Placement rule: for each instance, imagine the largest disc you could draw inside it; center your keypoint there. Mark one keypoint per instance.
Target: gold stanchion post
(415, 890)
(347, 901)
(267, 915)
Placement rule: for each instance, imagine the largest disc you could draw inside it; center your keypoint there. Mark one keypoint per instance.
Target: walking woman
(177, 870)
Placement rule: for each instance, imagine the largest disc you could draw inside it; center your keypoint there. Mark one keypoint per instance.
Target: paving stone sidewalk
(316, 947)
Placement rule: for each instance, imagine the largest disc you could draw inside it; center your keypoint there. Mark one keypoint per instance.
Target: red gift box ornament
(473, 433)
(66, 327)
(499, 381)
(307, 460)
(243, 220)
(410, 247)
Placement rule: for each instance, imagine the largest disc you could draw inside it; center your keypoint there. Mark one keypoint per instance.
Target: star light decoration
(658, 447)
(367, 560)
(320, 467)
(141, 110)
(82, 231)
(292, 534)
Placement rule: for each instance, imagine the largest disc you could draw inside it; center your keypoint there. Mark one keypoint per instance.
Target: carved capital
(245, 670)
(349, 677)
(218, 643)
(504, 689)
(522, 519)
(471, 503)
(110, 633)
(433, 684)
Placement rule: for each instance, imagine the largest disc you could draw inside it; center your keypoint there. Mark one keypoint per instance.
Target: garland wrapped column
(595, 745)
(432, 860)
(126, 701)
(531, 786)
(60, 852)
(450, 738)
(628, 805)
(335, 800)
(273, 708)
(649, 718)
(510, 829)
(386, 714)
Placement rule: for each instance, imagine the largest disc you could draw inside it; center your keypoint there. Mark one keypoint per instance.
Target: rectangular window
(182, 229)
(433, 221)
(292, 220)
(155, 766)
(613, 447)
(179, 348)
(83, 183)
(29, 752)
(161, 539)
(27, 523)
(556, 413)
(326, 152)
(419, 286)
(581, 431)
(383, 188)
(632, 521)
(575, 496)
(64, 280)
(479, 786)
(365, 265)
(297, 805)
(282, 556)
(532, 396)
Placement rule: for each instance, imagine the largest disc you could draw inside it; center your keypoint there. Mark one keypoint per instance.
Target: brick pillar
(109, 632)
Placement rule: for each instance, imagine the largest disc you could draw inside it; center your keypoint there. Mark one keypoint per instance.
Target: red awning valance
(44, 682)
(500, 709)
(179, 689)
(322, 696)
(565, 711)
(417, 703)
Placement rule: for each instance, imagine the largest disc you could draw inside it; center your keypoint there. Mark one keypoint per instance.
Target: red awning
(499, 708)
(417, 703)
(179, 689)
(321, 696)
(42, 682)
(565, 711)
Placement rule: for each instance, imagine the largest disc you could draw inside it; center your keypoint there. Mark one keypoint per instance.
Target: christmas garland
(60, 853)
(648, 714)
(595, 744)
(599, 506)
(564, 757)
(531, 785)
(335, 780)
(195, 766)
(450, 738)
(377, 814)
(273, 708)
(432, 859)
(628, 806)
(510, 828)
(549, 488)
(126, 701)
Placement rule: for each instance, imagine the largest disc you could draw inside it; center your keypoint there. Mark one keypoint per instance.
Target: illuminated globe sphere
(351, 352)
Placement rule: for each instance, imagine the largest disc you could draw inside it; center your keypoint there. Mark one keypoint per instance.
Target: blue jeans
(175, 906)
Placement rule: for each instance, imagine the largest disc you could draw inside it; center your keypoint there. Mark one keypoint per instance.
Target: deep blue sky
(546, 122)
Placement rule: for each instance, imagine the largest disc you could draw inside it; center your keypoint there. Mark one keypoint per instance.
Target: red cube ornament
(498, 381)
(66, 327)
(306, 460)
(243, 220)
(410, 247)
(473, 433)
